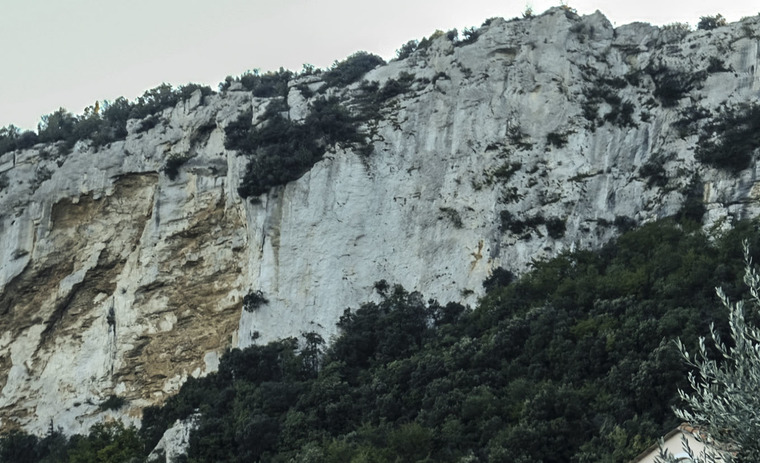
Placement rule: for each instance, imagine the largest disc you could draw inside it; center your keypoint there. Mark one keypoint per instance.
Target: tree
(56, 126)
(707, 23)
(106, 443)
(724, 404)
(407, 49)
(351, 69)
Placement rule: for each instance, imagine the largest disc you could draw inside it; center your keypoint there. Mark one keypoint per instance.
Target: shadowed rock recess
(543, 135)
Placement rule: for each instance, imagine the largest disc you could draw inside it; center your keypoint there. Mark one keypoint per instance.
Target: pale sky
(70, 53)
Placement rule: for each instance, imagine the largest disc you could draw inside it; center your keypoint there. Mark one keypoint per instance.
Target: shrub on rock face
(672, 85)
(12, 138)
(173, 163)
(729, 140)
(254, 300)
(407, 49)
(707, 23)
(281, 150)
(351, 69)
(267, 85)
(113, 402)
(57, 126)
(556, 227)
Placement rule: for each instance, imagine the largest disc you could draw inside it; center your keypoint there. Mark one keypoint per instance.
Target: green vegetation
(113, 402)
(12, 138)
(671, 85)
(556, 139)
(407, 49)
(574, 361)
(724, 403)
(607, 91)
(351, 69)
(555, 227)
(453, 216)
(280, 150)
(253, 300)
(173, 163)
(729, 140)
(707, 23)
(503, 173)
(684, 28)
(267, 85)
(690, 119)
(654, 171)
(101, 124)
(373, 97)
(105, 443)
(469, 35)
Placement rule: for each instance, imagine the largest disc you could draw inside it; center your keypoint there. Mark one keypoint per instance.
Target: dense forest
(573, 361)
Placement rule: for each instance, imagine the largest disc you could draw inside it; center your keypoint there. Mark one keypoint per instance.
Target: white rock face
(174, 442)
(117, 280)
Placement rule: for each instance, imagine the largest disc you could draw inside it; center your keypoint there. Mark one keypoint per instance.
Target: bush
(267, 85)
(57, 126)
(654, 172)
(113, 402)
(693, 206)
(372, 96)
(680, 30)
(621, 115)
(556, 139)
(671, 85)
(407, 49)
(573, 361)
(114, 116)
(453, 216)
(707, 23)
(504, 172)
(351, 69)
(723, 403)
(470, 35)
(281, 150)
(425, 43)
(254, 300)
(187, 90)
(499, 278)
(556, 227)
(27, 140)
(690, 117)
(173, 163)
(520, 226)
(12, 138)
(607, 91)
(730, 139)
(716, 65)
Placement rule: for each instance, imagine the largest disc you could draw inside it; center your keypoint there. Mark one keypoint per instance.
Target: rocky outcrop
(544, 135)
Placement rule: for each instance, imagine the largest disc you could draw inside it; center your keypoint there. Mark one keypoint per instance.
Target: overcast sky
(70, 53)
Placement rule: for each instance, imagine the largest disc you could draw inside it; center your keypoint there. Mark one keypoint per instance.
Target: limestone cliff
(545, 134)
